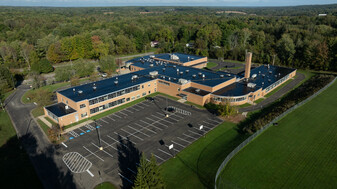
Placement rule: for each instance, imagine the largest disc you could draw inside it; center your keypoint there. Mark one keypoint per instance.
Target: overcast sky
(84, 3)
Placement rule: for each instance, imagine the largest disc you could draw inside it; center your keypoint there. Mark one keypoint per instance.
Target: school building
(175, 74)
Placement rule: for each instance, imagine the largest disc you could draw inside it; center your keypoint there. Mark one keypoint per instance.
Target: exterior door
(76, 117)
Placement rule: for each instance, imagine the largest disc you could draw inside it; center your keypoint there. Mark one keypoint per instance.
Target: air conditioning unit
(153, 73)
(251, 85)
(183, 81)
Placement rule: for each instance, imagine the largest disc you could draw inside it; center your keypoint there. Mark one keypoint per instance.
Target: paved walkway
(300, 77)
(43, 119)
(77, 126)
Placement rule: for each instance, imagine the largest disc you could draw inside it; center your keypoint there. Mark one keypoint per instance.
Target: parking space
(143, 127)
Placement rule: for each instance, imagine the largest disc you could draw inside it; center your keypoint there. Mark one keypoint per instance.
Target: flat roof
(59, 109)
(183, 58)
(235, 89)
(197, 91)
(173, 72)
(103, 87)
(267, 75)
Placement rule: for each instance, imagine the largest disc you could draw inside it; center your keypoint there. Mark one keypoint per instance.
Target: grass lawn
(15, 166)
(38, 111)
(244, 105)
(196, 165)
(44, 127)
(105, 185)
(298, 153)
(196, 105)
(211, 65)
(259, 100)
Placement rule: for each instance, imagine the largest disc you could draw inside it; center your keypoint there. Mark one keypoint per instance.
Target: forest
(37, 38)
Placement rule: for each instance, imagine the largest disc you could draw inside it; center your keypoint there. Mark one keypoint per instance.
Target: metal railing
(257, 133)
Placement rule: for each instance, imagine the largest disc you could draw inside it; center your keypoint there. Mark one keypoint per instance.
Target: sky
(88, 3)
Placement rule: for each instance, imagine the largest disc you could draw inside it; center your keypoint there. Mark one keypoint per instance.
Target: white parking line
(156, 122)
(102, 150)
(138, 106)
(177, 116)
(125, 138)
(92, 175)
(132, 171)
(73, 133)
(184, 140)
(195, 133)
(82, 130)
(173, 148)
(109, 145)
(123, 113)
(90, 127)
(110, 118)
(171, 117)
(145, 128)
(128, 111)
(159, 157)
(178, 144)
(207, 127)
(139, 131)
(116, 115)
(161, 113)
(64, 145)
(208, 123)
(103, 121)
(125, 178)
(117, 141)
(165, 152)
(134, 109)
(144, 103)
(150, 124)
(132, 134)
(190, 136)
(161, 119)
(211, 120)
(93, 153)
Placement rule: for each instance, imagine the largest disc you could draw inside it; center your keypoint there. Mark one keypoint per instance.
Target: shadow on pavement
(128, 159)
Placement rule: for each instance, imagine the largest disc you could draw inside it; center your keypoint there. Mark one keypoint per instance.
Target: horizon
(157, 3)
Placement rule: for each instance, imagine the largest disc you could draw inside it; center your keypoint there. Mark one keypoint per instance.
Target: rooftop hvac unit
(187, 71)
(270, 72)
(197, 90)
(177, 70)
(164, 69)
(116, 78)
(116, 82)
(200, 73)
(134, 77)
(174, 57)
(203, 76)
(153, 73)
(228, 74)
(152, 56)
(183, 81)
(254, 76)
(194, 75)
(94, 87)
(80, 92)
(151, 65)
(251, 85)
(74, 89)
(181, 73)
(222, 76)
(66, 107)
(174, 66)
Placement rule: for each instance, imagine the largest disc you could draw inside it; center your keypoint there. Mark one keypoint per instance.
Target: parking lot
(113, 143)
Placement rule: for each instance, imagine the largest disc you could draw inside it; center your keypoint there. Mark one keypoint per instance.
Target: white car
(104, 75)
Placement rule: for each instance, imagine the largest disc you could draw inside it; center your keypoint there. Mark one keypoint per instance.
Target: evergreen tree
(149, 174)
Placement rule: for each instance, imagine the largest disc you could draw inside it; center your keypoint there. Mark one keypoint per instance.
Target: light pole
(201, 129)
(99, 136)
(170, 148)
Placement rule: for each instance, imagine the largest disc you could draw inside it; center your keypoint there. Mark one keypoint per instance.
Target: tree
(83, 68)
(63, 73)
(54, 133)
(225, 109)
(26, 50)
(107, 64)
(7, 79)
(42, 66)
(148, 174)
(286, 49)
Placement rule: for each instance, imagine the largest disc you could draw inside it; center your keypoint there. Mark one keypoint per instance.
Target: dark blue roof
(266, 76)
(183, 58)
(59, 109)
(102, 87)
(236, 89)
(169, 72)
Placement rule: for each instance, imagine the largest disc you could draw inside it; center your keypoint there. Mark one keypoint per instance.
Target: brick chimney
(248, 64)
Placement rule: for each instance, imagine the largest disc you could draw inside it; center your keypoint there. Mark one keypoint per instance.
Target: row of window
(277, 83)
(164, 83)
(106, 106)
(53, 116)
(113, 95)
(221, 99)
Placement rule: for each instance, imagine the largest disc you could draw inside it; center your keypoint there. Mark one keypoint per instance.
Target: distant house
(154, 43)
(322, 14)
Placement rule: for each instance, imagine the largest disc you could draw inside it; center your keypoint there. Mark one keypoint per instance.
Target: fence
(181, 111)
(257, 133)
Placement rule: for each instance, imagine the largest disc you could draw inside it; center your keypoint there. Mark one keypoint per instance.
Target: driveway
(48, 165)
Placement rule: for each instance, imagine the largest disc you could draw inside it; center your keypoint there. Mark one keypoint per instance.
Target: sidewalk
(77, 126)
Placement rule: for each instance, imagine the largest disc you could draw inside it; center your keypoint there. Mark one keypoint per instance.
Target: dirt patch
(234, 118)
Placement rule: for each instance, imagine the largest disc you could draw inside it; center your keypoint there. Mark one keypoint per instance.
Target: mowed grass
(211, 65)
(196, 165)
(298, 153)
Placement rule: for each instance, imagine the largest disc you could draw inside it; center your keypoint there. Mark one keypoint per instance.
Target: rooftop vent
(254, 76)
(116, 78)
(270, 72)
(66, 107)
(151, 65)
(164, 69)
(203, 76)
(94, 87)
(116, 82)
(222, 76)
(183, 81)
(181, 73)
(80, 92)
(194, 75)
(187, 71)
(169, 79)
(200, 73)
(152, 56)
(262, 83)
(251, 85)
(197, 90)
(153, 73)
(174, 66)
(269, 80)
(177, 70)
(74, 89)
(134, 77)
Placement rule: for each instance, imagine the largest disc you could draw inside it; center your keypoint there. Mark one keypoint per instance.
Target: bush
(42, 66)
(266, 115)
(63, 73)
(41, 97)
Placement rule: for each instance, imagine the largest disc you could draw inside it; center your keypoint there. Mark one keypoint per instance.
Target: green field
(211, 65)
(298, 153)
(196, 165)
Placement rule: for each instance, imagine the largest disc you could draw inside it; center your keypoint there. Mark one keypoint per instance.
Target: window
(149, 85)
(164, 83)
(144, 94)
(82, 106)
(84, 114)
(149, 92)
(155, 89)
(142, 86)
(138, 96)
(178, 89)
(132, 98)
(113, 95)
(66, 101)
